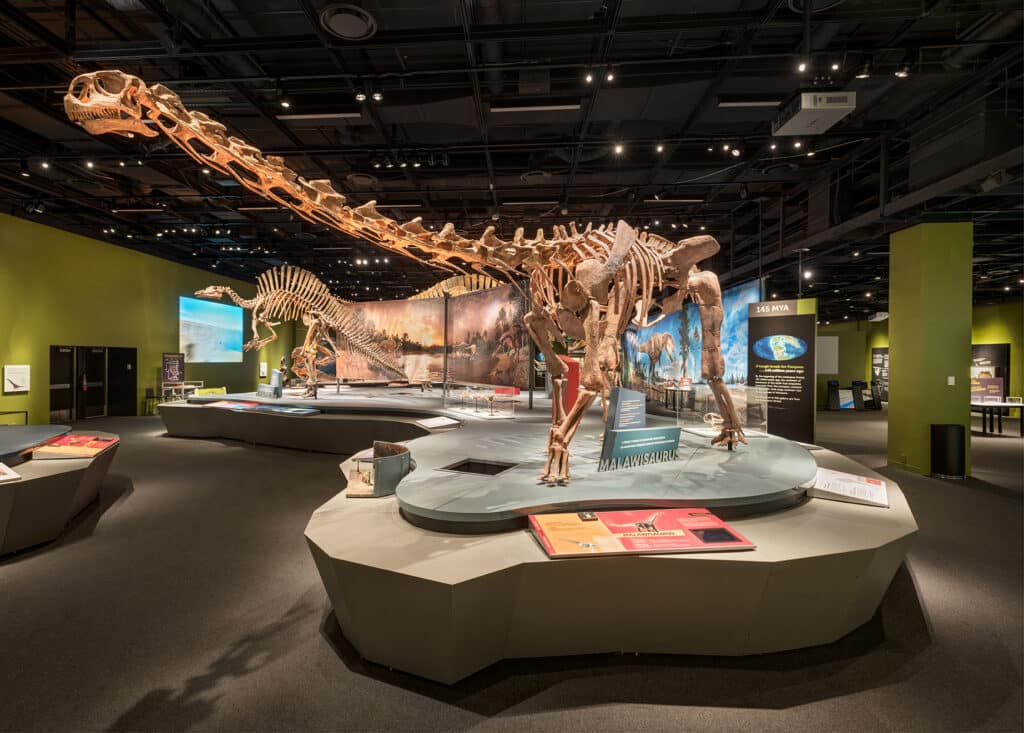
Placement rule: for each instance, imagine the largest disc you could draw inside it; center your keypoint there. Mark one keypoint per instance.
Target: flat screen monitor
(209, 332)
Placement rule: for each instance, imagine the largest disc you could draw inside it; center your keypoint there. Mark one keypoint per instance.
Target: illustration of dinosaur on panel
(585, 284)
(289, 293)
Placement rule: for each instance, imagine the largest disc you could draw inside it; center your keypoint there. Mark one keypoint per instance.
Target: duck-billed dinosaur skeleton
(289, 293)
(585, 284)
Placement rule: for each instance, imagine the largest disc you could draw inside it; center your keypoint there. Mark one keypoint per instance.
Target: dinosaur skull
(107, 101)
(211, 292)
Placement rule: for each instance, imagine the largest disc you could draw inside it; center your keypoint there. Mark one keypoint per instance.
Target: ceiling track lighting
(903, 71)
(865, 71)
(25, 173)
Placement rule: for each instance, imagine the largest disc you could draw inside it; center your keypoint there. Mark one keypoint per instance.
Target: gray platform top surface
(16, 439)
(766, 470)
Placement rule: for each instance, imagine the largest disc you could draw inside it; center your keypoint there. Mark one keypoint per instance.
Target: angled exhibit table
(36, 507)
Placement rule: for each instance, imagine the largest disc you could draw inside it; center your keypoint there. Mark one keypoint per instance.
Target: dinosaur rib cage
(290, 292)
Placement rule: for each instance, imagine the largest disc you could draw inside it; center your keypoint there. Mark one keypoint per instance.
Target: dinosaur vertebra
(289, 293)
(585, 284)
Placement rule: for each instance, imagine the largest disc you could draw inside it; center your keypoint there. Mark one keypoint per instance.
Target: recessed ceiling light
(589, 78)
(618, 148)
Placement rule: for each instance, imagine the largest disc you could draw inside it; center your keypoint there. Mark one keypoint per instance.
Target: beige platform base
(444, 606)
(37, 507)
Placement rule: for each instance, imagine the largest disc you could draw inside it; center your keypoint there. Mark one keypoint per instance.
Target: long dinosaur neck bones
(317, 201)
(238, 299)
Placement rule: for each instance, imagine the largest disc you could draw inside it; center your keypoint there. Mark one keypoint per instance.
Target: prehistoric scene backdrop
(671, 349)
(487, 339)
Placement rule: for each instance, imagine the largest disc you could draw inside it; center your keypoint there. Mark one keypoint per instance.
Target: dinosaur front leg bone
(732, 431)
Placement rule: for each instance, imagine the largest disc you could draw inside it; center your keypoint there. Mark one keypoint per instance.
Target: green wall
(1000, 323)
(62, 289)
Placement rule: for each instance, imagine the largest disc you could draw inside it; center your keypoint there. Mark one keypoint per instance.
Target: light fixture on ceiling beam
(154, 210)
(746, 100)
(903, 71)
(321, 116)
(536, 108)
(865, 71)
(663, 200)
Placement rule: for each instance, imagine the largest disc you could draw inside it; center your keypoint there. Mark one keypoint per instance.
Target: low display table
(50, 493)
(993, 411)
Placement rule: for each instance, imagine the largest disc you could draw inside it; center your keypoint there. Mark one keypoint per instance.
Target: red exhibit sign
(572, 382)
(635, 531)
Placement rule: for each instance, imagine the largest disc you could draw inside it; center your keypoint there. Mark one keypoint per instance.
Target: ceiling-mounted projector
(812, 113)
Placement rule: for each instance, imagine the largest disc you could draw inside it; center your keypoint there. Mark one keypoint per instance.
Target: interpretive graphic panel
(987, 389)
(74, 445)
(990, 361)
(671, 349)
(880, 371)
(781, 360)
(487, 338)
(627, 443)
(209, 332)
(410, 331)
(635, 532)
(173, 369)
(17, 378)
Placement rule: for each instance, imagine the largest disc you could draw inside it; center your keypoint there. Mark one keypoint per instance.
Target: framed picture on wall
(16, 378)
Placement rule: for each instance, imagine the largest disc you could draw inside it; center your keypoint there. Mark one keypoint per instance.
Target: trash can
(949, 451)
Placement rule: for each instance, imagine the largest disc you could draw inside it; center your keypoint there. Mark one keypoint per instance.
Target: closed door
(62, 378)
(122, 384)
(90, 381)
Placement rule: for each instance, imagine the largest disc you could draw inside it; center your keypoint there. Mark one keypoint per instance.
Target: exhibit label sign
(173, 367)
(636, 531)
(880, 371)
(627, 442)
(781, 360)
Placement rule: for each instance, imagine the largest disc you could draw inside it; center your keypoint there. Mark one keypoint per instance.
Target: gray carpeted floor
(188, 601)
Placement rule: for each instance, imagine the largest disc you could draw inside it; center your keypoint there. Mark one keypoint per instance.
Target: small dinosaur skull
(107, 101)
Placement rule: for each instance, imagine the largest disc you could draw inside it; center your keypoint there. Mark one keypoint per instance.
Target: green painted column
(930, 306)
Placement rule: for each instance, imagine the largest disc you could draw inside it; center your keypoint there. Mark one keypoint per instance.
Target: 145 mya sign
(780, 359)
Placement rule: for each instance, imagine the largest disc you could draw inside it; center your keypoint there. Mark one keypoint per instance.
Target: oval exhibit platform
(444, 606)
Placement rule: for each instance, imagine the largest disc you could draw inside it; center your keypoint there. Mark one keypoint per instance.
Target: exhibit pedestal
(444, 606)
(50, 493)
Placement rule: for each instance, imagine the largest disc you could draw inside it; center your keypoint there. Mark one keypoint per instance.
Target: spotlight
(807, 274)
(24, 170)
(618, 148)
(609, 77)
(285, 104)
(835, 66)
(810, 153)
(773, 146)
(867, 295)
(657, 222)
(89, 164)
(801, 67)
(702, 227)
(121, 163)
(903, 72)
(735, 152)
(797, 144)
(376, 164)
(865, 71)
(416, 164)
(403, 164)
(659, 148)
(360, 96)
(725, 147)
(589, 78)
(389, 163)
(856, 253)
(710, 149)
(206, 171)
(44, 165)
(378, 96)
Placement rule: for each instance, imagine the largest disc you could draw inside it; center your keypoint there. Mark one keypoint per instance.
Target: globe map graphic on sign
(780, 347)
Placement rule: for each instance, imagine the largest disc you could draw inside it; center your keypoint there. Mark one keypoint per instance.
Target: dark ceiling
(487, 117)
